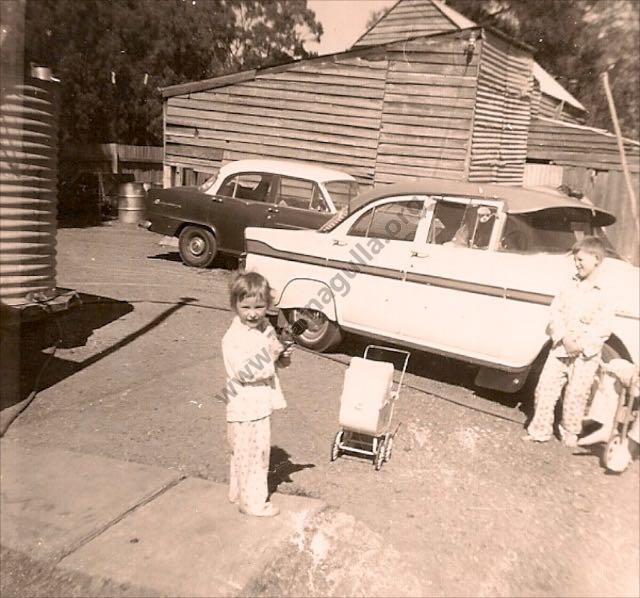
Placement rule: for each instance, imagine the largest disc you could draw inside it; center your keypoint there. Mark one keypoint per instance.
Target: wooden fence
(145, 163)
(605, 188)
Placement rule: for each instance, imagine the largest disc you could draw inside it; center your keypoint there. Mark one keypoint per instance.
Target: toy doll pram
(366, 407)
(615, 406)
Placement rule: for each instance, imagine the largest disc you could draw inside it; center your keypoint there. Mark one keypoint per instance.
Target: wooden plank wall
(554, 108)
(552, 141)
(428, 110)
(410, 18)
(144, 162)
(325, 112)
(502, 113)
(608, 190)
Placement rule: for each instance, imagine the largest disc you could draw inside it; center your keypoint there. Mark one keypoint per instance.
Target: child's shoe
(568, 439)
(267, 510)
(530, 438)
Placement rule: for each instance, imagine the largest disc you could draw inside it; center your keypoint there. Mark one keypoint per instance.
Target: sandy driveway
(468, 508)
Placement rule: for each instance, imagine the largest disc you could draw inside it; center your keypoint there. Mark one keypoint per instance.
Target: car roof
(517, 200)
(287, 168)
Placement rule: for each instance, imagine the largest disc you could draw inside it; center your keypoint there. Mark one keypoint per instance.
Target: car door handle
(339, 243)
(418, 254)
(217, 199)
(273, 210)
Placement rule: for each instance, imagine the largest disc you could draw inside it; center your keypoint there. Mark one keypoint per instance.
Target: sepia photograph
(319, 298)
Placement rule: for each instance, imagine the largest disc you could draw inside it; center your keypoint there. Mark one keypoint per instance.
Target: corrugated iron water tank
(28, 194)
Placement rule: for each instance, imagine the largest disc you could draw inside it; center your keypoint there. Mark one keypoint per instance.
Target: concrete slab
(191, 541)
(53, 500)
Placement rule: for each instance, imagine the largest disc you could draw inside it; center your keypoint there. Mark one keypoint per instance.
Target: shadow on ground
(441, 369)
(33, 344)
(34, 364)
(221, 262)
(281, 468)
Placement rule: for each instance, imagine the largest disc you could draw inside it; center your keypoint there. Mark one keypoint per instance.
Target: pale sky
(344, 21)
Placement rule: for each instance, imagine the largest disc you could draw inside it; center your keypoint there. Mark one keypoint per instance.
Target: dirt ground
(463, 508)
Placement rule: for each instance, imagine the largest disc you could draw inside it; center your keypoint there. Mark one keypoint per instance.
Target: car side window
(447, 224)
(250, 185)
(361, 226)
(299, 193)
(397, 221)
(461, 225)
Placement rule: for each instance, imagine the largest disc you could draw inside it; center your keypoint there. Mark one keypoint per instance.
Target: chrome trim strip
(261, 248)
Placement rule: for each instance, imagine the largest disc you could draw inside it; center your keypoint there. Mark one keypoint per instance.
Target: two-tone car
(211, 218)
(459, 269)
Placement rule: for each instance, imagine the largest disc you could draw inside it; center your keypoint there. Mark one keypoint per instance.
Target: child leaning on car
(250, 349)
(581, 320)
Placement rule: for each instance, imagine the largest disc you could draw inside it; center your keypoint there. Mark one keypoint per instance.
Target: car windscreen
(554, 230)
(342, 192)
(204, 187)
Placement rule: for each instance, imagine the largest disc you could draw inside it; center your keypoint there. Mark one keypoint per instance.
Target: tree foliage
(576, 41)
(112, 56)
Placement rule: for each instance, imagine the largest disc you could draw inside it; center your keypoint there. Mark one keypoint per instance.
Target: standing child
(581, 321)
(251, 350)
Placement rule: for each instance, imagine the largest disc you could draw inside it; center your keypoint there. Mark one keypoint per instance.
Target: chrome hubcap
(317, 323)
(197, 246)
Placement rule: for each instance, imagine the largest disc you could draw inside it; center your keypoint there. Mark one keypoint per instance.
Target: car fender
(310, 294)
(210, 227)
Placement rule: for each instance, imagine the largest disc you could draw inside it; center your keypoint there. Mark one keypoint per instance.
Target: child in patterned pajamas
(250, 349)
(581, 321)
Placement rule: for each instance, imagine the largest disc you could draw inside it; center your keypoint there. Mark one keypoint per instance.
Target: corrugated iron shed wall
(502, 113)
(428, 109)
(327, 112)
(407, 19)
(575, 145)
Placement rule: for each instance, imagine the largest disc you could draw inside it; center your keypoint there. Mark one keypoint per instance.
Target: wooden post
(623, 159)
(113, 149)
(166, 176)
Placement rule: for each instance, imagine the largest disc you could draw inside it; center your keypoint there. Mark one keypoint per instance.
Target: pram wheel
(335, 449)
(388, 445)
(379, 457)
(616, 455)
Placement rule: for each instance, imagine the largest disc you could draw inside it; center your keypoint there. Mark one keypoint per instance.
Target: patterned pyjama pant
(578, 374)
(250, 444)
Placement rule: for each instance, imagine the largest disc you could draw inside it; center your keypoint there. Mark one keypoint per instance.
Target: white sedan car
(459, 269)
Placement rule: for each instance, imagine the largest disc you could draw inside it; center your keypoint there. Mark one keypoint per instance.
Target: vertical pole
(623, 159)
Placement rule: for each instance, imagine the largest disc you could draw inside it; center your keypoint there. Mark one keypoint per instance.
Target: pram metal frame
(379, 447)
(624, 417)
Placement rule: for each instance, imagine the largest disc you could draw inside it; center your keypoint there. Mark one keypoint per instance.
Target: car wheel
(321, 334)
(198, 247)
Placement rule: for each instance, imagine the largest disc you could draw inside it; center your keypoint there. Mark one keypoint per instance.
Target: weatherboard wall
(428, 107)
(325, 112)
(407, 19)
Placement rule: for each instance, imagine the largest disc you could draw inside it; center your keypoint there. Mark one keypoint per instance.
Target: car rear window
(342, 192)
(553, 230)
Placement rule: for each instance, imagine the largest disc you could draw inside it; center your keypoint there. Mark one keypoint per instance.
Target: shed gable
(405, 20)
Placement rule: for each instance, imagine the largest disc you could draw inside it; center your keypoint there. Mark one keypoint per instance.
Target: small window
(253, 186)
(396, 221)
(462, 225)
(361, 226)
(298, 193)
